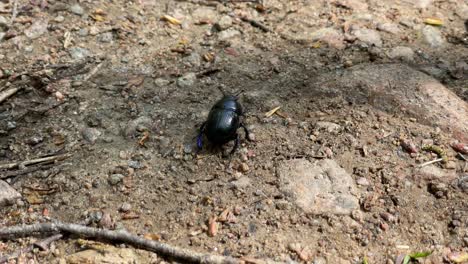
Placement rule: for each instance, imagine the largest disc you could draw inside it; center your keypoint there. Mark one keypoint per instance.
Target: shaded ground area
(334, 176)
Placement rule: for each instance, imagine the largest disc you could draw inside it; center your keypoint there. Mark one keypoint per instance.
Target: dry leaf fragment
(152, 236)
(98, 18)
(272, 111)
(171, 20)
(458, 257)
(212, 226)
(433, 21)
(145, 137)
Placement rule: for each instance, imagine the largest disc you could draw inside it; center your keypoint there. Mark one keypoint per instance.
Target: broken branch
(115, 236)
(42, 244)
(7, 93)
(33, 161)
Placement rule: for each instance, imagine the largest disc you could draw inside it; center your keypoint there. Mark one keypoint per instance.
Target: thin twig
(431, 162)
(42, 244)
(115, 236)
(33, 161)
(256, 24)
(16, 173)
(14, 13)
(7, 93)
(93, 72)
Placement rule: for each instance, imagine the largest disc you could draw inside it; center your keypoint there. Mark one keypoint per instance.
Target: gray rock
(91, 134)
(368, 36)
(3, 22)
(125, 207)
(83, 32)
(194, 59)
(241, 183)
(78, 53)
(134, 164)
(400, 52)
(330, 36)
(187, 80)
(2, 35)
(137, 124)
(8, 195)
(422, 3)
(228, 34)
(160, 82)
(389, 28)
(463, 183)
(328, 127)
(115, 179)
(204, 13)
(37, 29)
(422, 96)
(224, 23)
(319, 188)
(105, 37)
(76, 9)
(362, 181)
(432, 36)
(59, 19)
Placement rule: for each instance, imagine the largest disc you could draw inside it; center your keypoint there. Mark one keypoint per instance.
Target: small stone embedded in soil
(91, 134)
(135, 164)
(132, 127)
(328, 126)
(228, 34)
(194, 59)
(224, 23)
(400, 52)
(105, 37)
(187, 80)
(388, 27)
(78, 53)
(8, 195)
(115, 179)
(160, 82)
(37, 29)
(368, 36)
(3, 22)
(463, 183)
(362, 181)
(319, 187)
(76, 9)
(243, 167)
(125, 207)
(433, 37)
(241, 183)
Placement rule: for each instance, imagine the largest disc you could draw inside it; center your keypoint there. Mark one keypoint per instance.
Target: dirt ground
(122, 91)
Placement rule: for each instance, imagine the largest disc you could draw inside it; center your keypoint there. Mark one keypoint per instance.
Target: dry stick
(120, 236)
(256, 24)
(33, 161)
(7, 93)
(16, 173)
(431, 162)
(43, 244)
(14, 11)
(93, 72)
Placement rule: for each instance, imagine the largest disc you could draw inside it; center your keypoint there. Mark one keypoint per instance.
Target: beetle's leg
(247, 134)
(236, 144)
(200, 136)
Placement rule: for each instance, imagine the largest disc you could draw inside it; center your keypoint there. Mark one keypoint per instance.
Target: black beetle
(224, 119)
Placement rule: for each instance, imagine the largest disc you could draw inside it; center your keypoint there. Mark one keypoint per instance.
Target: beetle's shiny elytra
(224, 119)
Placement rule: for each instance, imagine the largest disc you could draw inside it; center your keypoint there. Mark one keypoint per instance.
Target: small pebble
(244, 167)
(362, 181)
(115, 179)
(125, 207)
